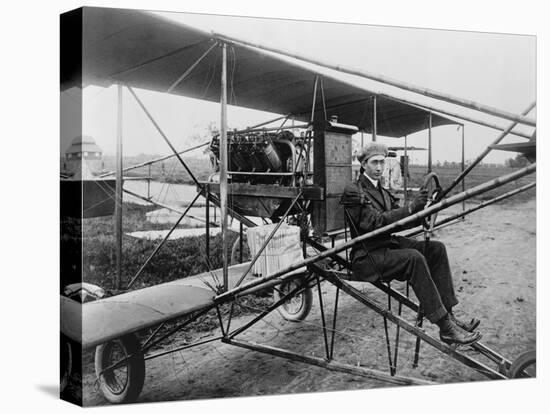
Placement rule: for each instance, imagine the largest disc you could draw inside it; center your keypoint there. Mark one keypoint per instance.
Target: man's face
(374, 166)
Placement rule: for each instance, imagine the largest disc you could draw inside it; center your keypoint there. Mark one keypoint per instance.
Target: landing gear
(525, 366)
(298, 306)
(120, 382)
(66, 362)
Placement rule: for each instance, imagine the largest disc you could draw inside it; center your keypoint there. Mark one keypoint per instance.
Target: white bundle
(282, 250)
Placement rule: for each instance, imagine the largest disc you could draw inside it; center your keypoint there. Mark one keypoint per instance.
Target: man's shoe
(450, 333)
(467, 326)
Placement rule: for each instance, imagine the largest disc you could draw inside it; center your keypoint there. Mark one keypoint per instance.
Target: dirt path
(492, 256)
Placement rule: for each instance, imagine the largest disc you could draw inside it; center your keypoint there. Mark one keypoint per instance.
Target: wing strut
(389, 81)
(223, 167)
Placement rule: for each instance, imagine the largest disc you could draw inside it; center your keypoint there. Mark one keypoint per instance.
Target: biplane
(291, 181)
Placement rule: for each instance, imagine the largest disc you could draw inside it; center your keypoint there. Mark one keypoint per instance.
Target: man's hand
(352, 196)
(419, 201)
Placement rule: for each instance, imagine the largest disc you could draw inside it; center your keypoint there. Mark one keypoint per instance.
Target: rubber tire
(235, 253)
(306, 298)
(65, 362)
(135, 374)
(522, 362)
(234, 259)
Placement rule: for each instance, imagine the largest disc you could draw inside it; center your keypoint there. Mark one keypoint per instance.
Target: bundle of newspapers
(281, 251)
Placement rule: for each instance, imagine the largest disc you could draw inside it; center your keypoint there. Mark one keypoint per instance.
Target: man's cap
(372, 149)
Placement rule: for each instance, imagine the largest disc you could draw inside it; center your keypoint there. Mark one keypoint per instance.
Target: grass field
(184, 257)
(180, 258)
(478, 175)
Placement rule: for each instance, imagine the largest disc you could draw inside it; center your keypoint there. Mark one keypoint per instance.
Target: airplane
(264, 171)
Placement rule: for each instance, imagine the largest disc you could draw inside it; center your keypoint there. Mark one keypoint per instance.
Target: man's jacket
(369, 208)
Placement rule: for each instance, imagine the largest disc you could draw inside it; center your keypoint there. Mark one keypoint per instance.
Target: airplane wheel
(66, 363)
(297, 307)
(525, 366)
(236, 251)
(124, 383)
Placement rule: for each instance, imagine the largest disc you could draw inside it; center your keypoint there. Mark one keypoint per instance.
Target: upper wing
(146, 51)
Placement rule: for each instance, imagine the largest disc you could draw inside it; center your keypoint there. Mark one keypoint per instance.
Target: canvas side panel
(70, 204)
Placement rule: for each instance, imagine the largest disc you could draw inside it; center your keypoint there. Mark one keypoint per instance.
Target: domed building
(83, 193)
(83, 157)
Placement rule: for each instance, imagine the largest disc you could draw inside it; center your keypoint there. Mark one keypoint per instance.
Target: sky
(493, 69)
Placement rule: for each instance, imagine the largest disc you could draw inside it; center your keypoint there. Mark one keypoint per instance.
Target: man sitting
(388, 257)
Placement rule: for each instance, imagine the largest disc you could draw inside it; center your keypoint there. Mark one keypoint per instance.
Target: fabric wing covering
(144, 50)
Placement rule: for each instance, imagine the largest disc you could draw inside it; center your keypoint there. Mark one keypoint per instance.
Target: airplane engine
(266, 171)
(262, 164)
(271, 153)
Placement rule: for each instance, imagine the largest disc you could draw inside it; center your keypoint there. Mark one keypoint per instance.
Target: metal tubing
(270, 284)
(282, 126)
(440, 111)
(144, 349)
(223, 167)
(269, 309)
(241, 218)
(241, 234)
(397, 331)
(419, 321)
(180, 326)
(263, 174)
(314, 98)
(323, 100)
(492, 355)
(419, 333)
(383, 79)
(149, 182)
(333, 333)
(443, 113)
(330, 365)
(156, 59)
(463, 167)
(430, 143)
(406, 172)
(279, 224)
(220, 320)
(188, 71)
(484, 153)
(245, 131)
(388, 346)
(156, 203)
(152, 335)
(162, 242)
(385, 229)
(207, 230)
(118, 191)
(405, 300)
(181, 348)
(478, 207)
(163, 135)
(143, 164)
(263, 123)
(229, 319)
(323, 321)
(374, 119)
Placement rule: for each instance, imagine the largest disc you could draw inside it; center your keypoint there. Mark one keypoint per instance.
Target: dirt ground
(492, 256)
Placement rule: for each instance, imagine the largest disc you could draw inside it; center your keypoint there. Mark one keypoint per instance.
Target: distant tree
(517, 162)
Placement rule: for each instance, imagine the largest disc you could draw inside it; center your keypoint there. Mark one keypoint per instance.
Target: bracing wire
(232, 95)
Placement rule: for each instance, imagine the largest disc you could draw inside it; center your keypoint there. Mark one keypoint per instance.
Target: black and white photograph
(258, 206)
(288, 215)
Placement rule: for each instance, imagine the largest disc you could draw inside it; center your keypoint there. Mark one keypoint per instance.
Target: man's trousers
(428, 273)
